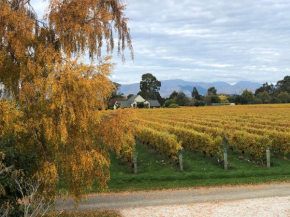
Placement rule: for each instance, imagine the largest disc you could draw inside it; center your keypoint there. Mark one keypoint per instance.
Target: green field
(158, 172)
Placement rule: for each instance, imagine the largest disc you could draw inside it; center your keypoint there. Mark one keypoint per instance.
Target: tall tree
(269, 88)
(115, 96)
(264, 96)
(177, 98)
(247, 97)
(130, 95)
(116, 93)
(211, 91)
(195, 94)
(173, 95)
(284, 85)
(181, 99)
(54, 98)
(149, 87)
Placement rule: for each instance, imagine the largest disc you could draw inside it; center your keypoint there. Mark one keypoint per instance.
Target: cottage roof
(154, 103)
(132, 99)
(125, 103)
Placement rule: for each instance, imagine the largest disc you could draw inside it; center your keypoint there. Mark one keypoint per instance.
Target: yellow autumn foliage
(52, 101)
(224, 99)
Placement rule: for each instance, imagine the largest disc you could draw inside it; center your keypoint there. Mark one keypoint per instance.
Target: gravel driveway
(274, 206)
(248, 200)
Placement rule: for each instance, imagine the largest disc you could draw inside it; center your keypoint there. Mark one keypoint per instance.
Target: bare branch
(6, 169)
(32, 204)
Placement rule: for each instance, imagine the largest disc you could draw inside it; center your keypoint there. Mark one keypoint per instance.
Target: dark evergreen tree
(284, 85)
(173, 95)
(195, 94)
(149, 87)
(211, 91)
(182, 99)
(269, 88)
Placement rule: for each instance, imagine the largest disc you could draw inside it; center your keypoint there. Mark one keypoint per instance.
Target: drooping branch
(87, 24)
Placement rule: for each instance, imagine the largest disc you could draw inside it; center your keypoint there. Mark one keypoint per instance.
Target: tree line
(267, 93)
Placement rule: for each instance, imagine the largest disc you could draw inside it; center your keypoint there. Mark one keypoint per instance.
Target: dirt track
(257, 207)
(179, 197)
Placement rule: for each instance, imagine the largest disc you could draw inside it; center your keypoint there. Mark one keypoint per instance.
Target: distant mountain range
(168, 86)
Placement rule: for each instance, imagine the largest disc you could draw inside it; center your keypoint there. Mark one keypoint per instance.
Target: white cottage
(134, 100)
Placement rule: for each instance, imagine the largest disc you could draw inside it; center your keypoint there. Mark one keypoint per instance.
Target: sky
(205, 41)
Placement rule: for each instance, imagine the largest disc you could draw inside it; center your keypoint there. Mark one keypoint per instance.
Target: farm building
(134, 100)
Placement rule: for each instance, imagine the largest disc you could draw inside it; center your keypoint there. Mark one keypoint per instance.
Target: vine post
(180, 160)
(225, 159)
(135, 161)
(268, 156)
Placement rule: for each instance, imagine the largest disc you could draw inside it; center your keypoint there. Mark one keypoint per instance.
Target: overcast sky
(209, 40)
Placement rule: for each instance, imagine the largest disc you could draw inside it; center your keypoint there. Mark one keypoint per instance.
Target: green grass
(157, 172)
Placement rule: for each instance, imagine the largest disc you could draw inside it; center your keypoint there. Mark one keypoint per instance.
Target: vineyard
(149, 155)
(247, 130)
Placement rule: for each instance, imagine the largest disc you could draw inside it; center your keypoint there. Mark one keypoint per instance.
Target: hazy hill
(168, 86)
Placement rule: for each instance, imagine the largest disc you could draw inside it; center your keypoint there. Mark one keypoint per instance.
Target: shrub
(202, 103)
(191, 104)
(196, 104)
(169, 102)
(257, 101)
(199, 103)
(140, 105)
(173, 105)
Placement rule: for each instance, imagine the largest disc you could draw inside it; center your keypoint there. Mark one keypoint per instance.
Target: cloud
(207, 40)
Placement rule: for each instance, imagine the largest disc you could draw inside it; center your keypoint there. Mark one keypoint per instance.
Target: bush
(173, 105)
(169, 102)
(196, 104)
(257, 101)
(202, 103)
(191, 103)
(275, 100)
(199, 103)
(212, 99)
